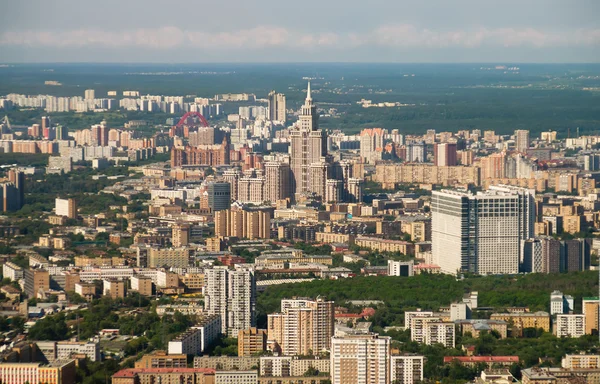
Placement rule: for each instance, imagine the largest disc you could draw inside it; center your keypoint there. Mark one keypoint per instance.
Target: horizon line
(299, 62)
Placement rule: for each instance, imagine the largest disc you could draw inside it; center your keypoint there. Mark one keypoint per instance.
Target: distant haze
(300, 31)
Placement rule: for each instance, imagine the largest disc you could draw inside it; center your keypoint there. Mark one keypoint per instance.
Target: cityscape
(322, 221)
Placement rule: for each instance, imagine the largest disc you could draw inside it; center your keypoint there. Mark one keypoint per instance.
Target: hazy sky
(306, 30)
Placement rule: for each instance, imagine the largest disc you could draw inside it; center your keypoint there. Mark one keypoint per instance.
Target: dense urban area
(233, 239)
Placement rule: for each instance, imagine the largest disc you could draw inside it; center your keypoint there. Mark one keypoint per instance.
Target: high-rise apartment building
(444, 154)
(481, 233)
(232, 295)
(416, 152)
(303, 326)
(355, 190)
(12, 193)
(371, 144)
(308, 146)
(360, 359)
(277, 181)
(90, 94)
(232, 176)
(276, 106)
(243, 224)
(66, 207)
(99, 134)
(522, 140)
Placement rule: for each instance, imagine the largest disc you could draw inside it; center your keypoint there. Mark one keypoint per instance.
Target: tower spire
(308, 97)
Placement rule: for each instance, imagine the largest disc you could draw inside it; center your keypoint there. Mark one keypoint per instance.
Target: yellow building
(383, 245)
(329, 238)
(58, 372)
(391, 174)
(521, 321)
(160, 359)
(589, 307)
(193, 282)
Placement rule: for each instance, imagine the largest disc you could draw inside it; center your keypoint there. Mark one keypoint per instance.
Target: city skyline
(432, 31)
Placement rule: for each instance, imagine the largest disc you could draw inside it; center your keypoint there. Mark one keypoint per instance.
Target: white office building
(400, 268)
(481, 233)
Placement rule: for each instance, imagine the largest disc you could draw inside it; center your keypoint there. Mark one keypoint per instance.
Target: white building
(62, 350)
(481, 233)
(570, 325)
(12, 271)
(400, 268)
(406, 369)
(409, 315)
(360, 359)
(458, 311)
(196, 339)
(65, 207)
(65, 349)
(440, 333)
(232, 295)
(556, 303)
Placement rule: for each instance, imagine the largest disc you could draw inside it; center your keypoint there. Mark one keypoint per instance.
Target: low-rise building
(227, 362)
(521, 321)
(475, 327)
(161, 359)
(472, 361)
(57, 372)
(581, 362)
(163, 375)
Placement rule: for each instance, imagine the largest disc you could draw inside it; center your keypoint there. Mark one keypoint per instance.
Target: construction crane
(6, 122)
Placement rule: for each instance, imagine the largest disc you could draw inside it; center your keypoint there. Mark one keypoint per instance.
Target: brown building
(243, 224)
(36, 280)
(252, 341)
(391, 174)
(212, 155)
(86, 290)
(114, 288)
(164, 376)
(142, 284)
(160, 359)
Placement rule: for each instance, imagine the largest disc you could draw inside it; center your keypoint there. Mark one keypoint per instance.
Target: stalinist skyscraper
(308, 152)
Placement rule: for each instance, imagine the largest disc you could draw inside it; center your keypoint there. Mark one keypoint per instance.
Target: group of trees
(430, 292)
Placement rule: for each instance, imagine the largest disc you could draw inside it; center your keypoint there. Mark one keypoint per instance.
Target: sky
(181, 31)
